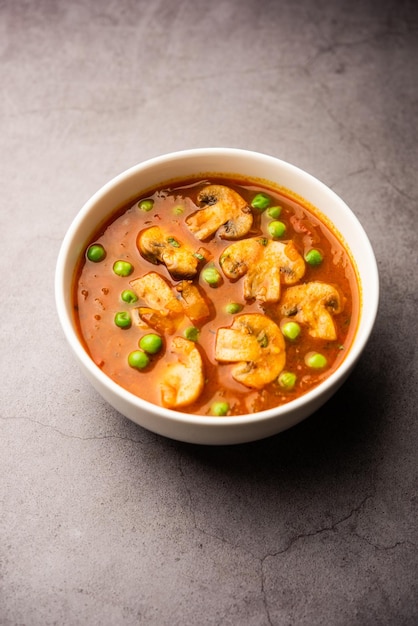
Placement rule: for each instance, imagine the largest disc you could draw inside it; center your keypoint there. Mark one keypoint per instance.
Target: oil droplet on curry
(217, 297)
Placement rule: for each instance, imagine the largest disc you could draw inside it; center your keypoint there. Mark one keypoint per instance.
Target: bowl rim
(226, 422)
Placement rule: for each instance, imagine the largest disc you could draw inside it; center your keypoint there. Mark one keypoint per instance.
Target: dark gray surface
(104, 523)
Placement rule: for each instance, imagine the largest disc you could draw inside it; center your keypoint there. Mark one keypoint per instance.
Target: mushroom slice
(183, 381)
(256, 344)
(159, 321)
(163, 310)
(238, 257)
(265, 263)
(313, 304)
(223, 210)
(156, 292)
(293, 266)
(194, 304)
(158, 247)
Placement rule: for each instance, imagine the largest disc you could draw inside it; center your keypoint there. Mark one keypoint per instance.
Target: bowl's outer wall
(182, 165)
(198, 432)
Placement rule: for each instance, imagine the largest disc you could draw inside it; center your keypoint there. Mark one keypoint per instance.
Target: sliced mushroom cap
(158, 320)
(158, 247)
(223, 210)
(194, 303)
(256, 344)
(156, 292)
(265, 263)
(240, 256)
(293, 266)
(313, 304)
(183, 381)
(163, 311)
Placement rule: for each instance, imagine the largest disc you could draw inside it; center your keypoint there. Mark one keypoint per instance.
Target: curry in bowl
(217, 297)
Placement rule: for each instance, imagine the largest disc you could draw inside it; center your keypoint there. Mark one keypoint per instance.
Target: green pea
(128, 296)
(123, 268)
(123, 319)
(211, 276)
(287, 380)
(146, 205)
(276, 229)
(291, 330)
(191, 333)
(314, 257)
(173, 242)
(138, 359)
(219, 408)
(260, 202)
(315, 360)
(96, 253)
(233, 307)
(151, 343)
(274, 212)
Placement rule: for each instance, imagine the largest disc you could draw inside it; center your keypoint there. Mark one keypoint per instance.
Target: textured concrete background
(103, 523)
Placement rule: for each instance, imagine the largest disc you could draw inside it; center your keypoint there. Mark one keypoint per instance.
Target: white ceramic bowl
(157, 171)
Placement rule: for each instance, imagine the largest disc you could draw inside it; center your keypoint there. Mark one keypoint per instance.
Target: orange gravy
(97, 298)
